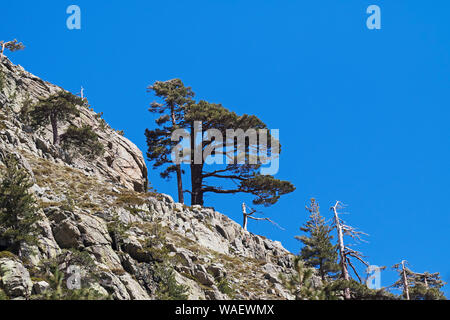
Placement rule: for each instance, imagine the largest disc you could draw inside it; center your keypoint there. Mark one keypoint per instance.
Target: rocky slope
(97, 216)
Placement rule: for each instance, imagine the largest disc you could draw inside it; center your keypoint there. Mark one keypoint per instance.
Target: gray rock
(134, 289)
(14, 278)
(218, 271)
(202, 275)
(40, 287)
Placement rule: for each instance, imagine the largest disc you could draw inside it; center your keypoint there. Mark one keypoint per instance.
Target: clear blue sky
(363, 114)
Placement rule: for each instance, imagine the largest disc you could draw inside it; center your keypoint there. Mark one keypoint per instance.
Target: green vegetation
(180, 112)
(18, 210)
(168, 288)
(51, 272)
(225, 288)
(176, 98)
(59, 291)
(155, 244)
(358, 291)
(8, 255)
(318, 250)
(418, 286)
(301, 283)
(3, 295)
(55, 109)
(129, 198)
(117, 229)
(12, 46)
(84, 140)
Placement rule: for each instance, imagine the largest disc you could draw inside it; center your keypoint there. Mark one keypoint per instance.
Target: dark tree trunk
(180, 184)
(54, 123)
(196, 172)
(178, 166)
(196, 181)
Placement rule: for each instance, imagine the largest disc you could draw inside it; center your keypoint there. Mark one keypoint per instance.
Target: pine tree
(18, 211)
(318, 250)
(357, 291)
(176, 98)
(426, 286)
(301, 284)
(13, 45)
(243, 169)
(57, 108)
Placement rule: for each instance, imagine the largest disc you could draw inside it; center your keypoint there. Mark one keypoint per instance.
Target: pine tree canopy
(178, 111)
(83, 139)
(242, 161)
(176, 97)
(56, 108)
(421, 286)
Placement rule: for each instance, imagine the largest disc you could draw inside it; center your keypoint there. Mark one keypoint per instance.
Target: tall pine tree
(57, 108)
(318, 250)
(176, 98)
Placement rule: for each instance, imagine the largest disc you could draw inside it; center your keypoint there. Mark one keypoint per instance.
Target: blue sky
(363, 114)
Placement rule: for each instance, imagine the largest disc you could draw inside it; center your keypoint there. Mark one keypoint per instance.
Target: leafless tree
(404, 279)
(345, 252)
(249, 215)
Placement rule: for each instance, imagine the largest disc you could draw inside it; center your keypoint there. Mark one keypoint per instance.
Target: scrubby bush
(168, 288)
(18, 210)
(224, 287)
(84, 140)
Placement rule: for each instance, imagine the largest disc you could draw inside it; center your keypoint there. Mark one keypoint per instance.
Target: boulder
(40, 287)
(15, 278)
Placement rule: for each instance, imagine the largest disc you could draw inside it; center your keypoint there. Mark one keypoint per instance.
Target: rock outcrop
(102, 230)
(15, 278)
(122, 162)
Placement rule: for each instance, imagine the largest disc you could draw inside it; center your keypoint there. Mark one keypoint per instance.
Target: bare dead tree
(13, 45)
(249, 215)
(402, 270)
(82, 92)
(345, 252)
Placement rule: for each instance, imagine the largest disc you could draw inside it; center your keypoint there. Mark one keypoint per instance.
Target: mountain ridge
(101, 210)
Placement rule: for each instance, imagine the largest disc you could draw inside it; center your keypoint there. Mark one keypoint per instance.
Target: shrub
(3, 295)
(59, 291)
(83, 139)
(224, 287)
(2, 80)
(27, 106)
(8, 255)
(168, 288)
(117, 229)
(18, 210)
